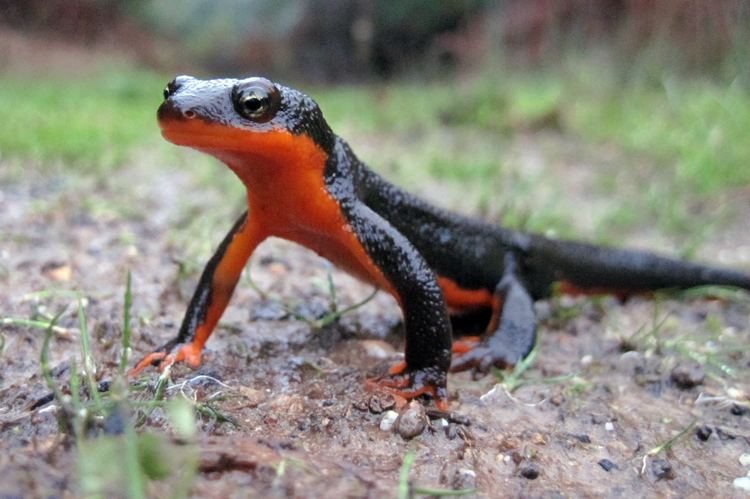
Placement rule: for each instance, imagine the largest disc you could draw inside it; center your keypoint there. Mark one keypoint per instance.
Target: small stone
(609, 426)
(662, 470)
(586, 360)
(687, 376)
(703, 432)
(745, 459)
(583, 438)
(388, 420)
(630, 360)
(739, 410)
(464, 478)
(412, 421)
(253, 397)
(557, 400)
(742, 483)
(114, 422)
(377, 349)
(736, 393)
(598, 418)
(607, 465)
(530, 471)
(381, 402)
(451, 431)
(724, 435)
(508, 442)
(361, 405)
(538, 439)
(57, 271)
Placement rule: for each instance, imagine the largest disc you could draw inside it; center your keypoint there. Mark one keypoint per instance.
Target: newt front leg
(426, 321)
(210, 298)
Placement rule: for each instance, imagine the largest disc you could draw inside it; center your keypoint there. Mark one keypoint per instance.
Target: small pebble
(464, 478)
(388, 420)
(724, 435)
(377, 349)
(586, 360)
(606, 464)
(739, 410)
(630, 360)
(745, 459)
(736, 394)
(530, 471)
(412, 421)
(742, 483)
(451, 431)
(557, 400)
(662, 469)
(361, 405)
(381, 402)
(687, 376)
(609, 426)
(114, 422)
(508, 442)
(538, 439)
(583, 438)
(703, 432)
(598, 418)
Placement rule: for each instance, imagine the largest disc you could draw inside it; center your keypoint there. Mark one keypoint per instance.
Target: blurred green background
(492, 107)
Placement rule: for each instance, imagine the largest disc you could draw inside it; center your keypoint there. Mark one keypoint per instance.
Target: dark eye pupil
(166, 92)
(253, 103)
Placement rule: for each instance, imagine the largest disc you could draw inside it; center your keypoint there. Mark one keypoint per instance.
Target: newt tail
(590, 269)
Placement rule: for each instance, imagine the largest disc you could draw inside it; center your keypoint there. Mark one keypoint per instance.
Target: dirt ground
(611, 381)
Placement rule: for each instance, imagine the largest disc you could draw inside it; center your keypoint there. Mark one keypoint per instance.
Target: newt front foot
(167, 355)
(408, 384)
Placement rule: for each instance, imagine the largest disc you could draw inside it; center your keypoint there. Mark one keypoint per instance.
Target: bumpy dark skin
(305, 184)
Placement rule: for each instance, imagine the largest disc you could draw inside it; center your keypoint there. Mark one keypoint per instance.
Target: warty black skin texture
(412, 242)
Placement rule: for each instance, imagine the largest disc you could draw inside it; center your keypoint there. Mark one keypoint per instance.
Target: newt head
(248, 123)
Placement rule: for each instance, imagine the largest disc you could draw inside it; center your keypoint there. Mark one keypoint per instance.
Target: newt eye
(257, 99)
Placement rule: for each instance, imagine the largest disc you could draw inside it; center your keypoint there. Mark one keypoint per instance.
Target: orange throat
(287, 198)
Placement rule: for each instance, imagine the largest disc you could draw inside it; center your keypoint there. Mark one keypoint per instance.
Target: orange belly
(459, 298)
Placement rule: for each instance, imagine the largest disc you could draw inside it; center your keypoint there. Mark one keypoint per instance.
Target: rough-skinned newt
(305, 184)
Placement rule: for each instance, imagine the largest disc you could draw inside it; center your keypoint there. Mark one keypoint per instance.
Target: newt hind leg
(512, 331)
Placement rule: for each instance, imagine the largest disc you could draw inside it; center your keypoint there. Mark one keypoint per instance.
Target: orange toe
(146, 362)
(397, 368)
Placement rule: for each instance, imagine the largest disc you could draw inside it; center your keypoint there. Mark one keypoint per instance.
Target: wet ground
(610, 384)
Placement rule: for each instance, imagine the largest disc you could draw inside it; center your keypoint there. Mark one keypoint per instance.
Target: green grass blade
(89, 366)
(127, 303)
(44, 356)
(403, 476)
